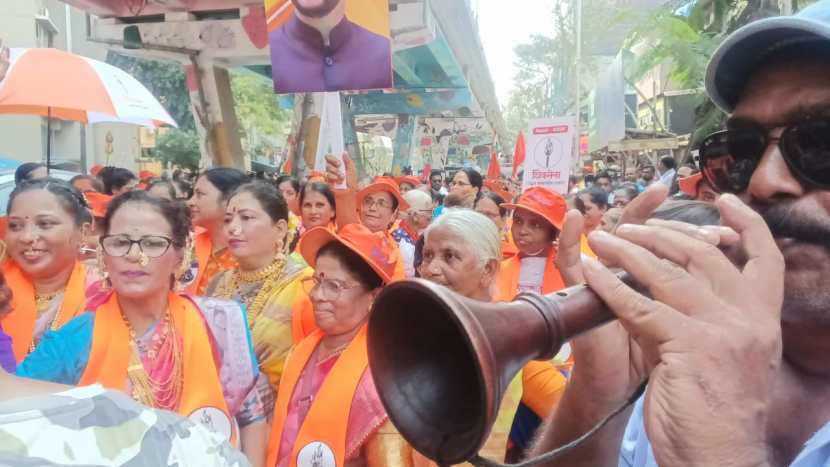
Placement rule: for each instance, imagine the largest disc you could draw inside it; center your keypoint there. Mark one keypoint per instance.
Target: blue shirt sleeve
(62, 355)
(635, 450)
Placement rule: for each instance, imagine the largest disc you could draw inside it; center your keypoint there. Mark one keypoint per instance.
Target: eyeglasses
(330, 289)
(454, 183)
(369, 203)
(729, 158)
(120, 245)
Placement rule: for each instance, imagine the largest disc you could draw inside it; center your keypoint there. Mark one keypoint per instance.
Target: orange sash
(202, 399)
(302, 313)
(202, 248)
(324, 430)
(508, 280)
(20, 323)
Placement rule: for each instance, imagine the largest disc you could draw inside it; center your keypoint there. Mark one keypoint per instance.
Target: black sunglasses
(729, 158)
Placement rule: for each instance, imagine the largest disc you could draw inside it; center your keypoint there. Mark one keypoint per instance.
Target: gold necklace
(42, 303)
(145, 387)
(271, 278)
(252, 277)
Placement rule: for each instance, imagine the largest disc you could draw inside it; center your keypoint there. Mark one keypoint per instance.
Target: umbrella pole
(48, 140)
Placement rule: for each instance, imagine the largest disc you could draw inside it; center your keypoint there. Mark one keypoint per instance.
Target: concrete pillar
(403, 143)
(213, 110)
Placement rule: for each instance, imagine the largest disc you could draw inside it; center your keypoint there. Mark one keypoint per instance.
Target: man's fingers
(718, 235)
(331, 160)
(765, 262)
(665, 281)
(699, 258)
(649, 322)
(640, 208)
(571, 230)
(568, 256)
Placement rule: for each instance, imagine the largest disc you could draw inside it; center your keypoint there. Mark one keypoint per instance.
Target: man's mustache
(785, 221)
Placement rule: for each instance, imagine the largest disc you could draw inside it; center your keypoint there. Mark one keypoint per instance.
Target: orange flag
(286, 168)
(494, 170)
(518, 153)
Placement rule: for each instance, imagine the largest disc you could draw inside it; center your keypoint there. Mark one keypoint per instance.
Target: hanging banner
(330, 140)
(548, 153)
(332, 45)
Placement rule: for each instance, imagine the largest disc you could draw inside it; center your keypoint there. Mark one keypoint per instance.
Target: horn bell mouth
(427, 369)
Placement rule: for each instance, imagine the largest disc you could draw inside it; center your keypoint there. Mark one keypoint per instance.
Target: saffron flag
(494, 171)
(518, 153)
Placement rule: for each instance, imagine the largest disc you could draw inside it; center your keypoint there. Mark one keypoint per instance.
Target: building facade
(51, 23)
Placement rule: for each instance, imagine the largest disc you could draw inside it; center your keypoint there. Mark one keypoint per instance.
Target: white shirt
(531, 273)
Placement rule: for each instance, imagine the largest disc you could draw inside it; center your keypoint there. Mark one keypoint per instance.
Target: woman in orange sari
(188, 355)
(207, 207)
(47, 223)
(328, 411)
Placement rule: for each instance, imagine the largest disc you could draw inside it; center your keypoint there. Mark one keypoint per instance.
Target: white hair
(418, 200)
(476, 230)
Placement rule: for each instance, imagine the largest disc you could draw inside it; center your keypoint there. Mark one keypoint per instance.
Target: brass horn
(441, 362)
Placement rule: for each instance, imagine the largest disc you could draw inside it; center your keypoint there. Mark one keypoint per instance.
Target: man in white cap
(736, 353)
(417, 219)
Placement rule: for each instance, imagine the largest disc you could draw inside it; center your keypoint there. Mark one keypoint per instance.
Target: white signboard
(331, 134)
(548, 153)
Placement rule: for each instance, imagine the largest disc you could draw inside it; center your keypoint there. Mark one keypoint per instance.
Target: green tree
(257, 109)
(178, 149)
(165, 80)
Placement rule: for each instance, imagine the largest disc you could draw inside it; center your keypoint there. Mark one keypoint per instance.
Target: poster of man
(329, 45)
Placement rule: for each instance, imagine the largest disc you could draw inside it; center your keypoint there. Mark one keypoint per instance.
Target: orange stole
(508, 280)
(202, 397)
(202, 248)
(302, 314)
(20, 323)
(327, 420)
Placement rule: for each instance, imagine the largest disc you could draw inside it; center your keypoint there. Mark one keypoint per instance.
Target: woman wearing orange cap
(207, 206)
(47, 222)
(328, 408)
(407, 183)
(268, 280)
(191, 356)
(537, 219)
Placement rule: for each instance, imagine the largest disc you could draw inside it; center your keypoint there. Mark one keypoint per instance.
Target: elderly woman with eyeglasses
(167, 351)
(327, 407)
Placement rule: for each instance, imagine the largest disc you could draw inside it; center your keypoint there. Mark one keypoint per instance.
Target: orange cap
(544, 202)
(95, 169)
(98, 203)
(688, 185)
(414, 181)
(386, 184)
(145, 174)
(373, 247)
(317, 176)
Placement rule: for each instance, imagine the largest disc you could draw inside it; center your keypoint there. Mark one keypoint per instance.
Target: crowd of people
(219, 318)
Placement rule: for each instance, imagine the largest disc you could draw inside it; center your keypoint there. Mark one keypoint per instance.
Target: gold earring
(105, 276)
(184, 268)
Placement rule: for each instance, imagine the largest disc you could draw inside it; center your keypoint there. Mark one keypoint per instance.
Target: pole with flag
(518, 154)
(494, 169)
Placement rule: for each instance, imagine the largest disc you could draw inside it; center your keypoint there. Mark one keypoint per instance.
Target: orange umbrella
(57, 84)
